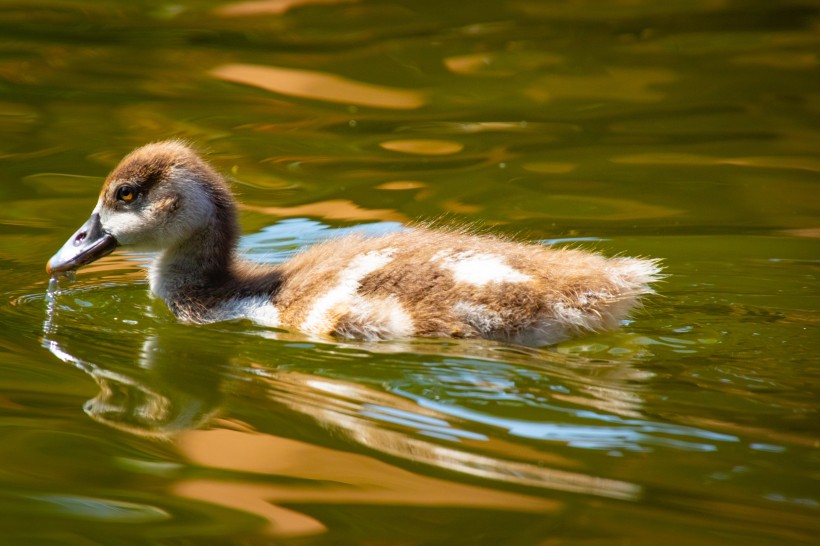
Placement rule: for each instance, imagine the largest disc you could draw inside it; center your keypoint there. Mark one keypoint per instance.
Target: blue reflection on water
(628, 434)
(280, 241)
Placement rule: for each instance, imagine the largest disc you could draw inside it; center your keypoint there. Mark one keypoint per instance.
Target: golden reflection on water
(270, 7)
(810, 233)
(423, 146)
(401, 185)
(340, 477)
(310, 84)
(129, 268)
(496, 64)
(334, 209)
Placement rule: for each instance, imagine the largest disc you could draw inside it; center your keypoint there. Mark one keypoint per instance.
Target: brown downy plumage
(418, 282)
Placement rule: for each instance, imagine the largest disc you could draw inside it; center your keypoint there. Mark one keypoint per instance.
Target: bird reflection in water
(344, 442)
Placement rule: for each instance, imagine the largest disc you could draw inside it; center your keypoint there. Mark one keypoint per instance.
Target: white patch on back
(377, 319)
(477, 268)
(320, 318)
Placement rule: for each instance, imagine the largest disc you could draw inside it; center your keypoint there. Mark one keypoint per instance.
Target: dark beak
(89, 243)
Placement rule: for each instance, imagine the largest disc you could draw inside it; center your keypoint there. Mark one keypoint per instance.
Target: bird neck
(199, 268)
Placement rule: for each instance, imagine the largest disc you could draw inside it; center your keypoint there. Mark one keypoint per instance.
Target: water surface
(687, 131)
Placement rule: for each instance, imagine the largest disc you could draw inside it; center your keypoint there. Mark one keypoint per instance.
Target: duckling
(165, 198)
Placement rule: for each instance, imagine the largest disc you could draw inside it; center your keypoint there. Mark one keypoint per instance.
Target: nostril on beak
(80, 237)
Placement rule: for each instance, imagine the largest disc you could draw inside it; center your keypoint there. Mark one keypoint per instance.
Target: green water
(683, 130)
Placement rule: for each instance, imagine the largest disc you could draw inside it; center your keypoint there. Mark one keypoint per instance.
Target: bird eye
(126, 194)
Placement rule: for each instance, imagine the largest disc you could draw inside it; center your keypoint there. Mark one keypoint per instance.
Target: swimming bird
(163, 197)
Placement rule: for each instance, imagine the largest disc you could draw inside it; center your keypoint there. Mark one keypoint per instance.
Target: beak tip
(88, 244)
